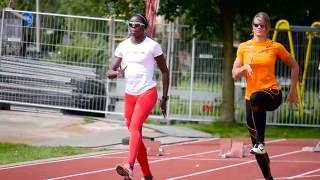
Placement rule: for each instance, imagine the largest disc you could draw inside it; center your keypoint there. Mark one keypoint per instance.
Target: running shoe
(125, 171)
(258, 149)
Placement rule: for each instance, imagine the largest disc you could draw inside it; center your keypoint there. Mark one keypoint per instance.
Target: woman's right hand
(115, 68)
(239, 69)
(112, 74)
(118, 73)
(248, 68)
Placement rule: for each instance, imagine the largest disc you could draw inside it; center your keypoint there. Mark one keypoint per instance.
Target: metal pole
(1, 33)
(192, 71)
(171, 59)
(111, 46)
(168, 44)
(37, 27)
(169, 64)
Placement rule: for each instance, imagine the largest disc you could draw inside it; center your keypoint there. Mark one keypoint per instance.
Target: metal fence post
(1, 33)
(192, 71)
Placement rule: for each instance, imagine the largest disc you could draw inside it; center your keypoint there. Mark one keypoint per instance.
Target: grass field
(14, 153)
(222, 129)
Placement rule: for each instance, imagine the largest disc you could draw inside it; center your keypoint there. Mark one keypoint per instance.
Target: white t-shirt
(140, 63)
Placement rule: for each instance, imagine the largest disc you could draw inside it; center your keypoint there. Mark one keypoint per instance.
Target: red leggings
(137, 110)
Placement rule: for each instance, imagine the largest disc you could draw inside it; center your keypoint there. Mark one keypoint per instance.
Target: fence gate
(55, 61)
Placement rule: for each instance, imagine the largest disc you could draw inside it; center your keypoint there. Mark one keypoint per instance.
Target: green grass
(13, 153)
(293, 132)
(88, 120)
(227, 130)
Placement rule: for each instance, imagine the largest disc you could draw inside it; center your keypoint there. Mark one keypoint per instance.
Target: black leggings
(260, 102)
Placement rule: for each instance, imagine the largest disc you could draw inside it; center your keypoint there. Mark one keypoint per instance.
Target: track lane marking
(160, 160)
(108, 169)
(229, 166)
(303, 174)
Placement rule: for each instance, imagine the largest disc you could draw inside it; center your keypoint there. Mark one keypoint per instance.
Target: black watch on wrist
(165, 98)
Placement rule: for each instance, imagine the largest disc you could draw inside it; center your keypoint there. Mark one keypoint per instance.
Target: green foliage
(24, 5)
(74, 7)
(95, 8)
(125, 8)
(3, 4)
(202, 14)
(207, 15)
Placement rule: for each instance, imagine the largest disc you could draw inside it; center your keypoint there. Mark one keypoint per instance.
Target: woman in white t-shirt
(136, 58)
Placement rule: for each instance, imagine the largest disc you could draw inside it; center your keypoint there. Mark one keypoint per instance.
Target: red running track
(194, 160)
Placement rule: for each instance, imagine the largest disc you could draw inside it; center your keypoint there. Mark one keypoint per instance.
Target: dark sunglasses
(136, 24)
(257, 25)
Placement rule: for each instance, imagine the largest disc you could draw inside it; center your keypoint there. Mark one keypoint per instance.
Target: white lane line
(303, 174)
(311, 176)
(300, 177)
(81, 174)
(275, 141)
(92, 156)
(229, 166)
(233, 165)
(191, 142)
(155, 161)
(244, 159)
(297, 161)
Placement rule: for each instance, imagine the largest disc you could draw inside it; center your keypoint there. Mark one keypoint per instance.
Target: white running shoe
(258, 149)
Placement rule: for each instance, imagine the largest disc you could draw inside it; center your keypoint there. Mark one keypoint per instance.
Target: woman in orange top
(255, 61)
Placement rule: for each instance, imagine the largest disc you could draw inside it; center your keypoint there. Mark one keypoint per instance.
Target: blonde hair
(265, 18)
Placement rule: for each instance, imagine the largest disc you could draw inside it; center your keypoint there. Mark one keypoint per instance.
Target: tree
(225, 18)
(96, 8)
(125, 8)
(3, 4)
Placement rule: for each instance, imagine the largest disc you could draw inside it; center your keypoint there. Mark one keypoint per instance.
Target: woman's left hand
(293, 96)
(163, 106)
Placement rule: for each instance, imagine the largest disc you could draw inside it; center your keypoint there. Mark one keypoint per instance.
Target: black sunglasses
(257, 25)
(136, 24)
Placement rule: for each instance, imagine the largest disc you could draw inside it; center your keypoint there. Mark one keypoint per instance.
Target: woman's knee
(256, 102)
(255, 106)
(135, 128)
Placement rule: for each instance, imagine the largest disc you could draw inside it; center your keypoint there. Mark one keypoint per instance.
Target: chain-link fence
(59, 61)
